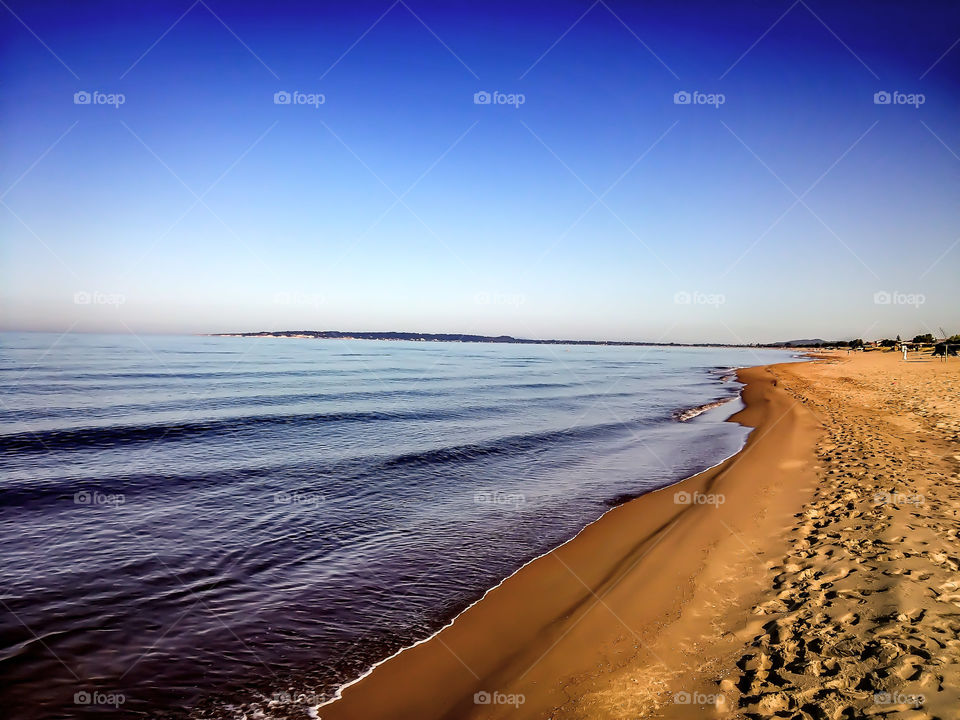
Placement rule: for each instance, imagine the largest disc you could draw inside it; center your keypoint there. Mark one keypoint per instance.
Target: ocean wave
(690, 413)
(109, 436)
(514, 444)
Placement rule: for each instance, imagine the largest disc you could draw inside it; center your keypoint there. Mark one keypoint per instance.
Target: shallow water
(204, 522)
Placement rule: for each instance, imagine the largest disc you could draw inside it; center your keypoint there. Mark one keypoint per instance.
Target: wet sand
(773, 583)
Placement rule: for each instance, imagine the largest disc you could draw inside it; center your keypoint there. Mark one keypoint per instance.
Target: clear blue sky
(499, 228)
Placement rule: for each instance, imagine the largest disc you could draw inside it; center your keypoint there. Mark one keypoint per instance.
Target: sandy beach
(816, 574)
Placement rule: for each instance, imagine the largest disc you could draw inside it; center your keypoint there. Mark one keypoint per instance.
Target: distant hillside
(800, 343)
(453, 337)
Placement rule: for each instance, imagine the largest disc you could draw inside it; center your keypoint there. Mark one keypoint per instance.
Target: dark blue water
(194, 525)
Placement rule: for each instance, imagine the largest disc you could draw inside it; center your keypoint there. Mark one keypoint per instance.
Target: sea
(228, 527)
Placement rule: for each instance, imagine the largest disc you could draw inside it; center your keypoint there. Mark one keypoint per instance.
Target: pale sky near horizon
(601, 207)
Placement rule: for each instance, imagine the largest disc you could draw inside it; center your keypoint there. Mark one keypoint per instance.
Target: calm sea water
(190, 526)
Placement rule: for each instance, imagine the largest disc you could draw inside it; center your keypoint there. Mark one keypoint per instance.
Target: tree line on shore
(939, 346)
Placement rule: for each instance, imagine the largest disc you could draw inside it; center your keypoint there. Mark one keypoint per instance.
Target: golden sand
(826, 584)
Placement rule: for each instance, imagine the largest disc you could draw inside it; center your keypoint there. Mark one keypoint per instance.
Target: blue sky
(598, 208)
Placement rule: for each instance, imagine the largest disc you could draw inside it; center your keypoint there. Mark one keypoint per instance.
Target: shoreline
(678, 417)
(405, 683)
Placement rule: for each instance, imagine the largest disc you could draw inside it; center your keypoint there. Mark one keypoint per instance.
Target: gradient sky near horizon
(599, 208)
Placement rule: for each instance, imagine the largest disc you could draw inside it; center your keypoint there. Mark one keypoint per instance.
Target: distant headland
(467, 338)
